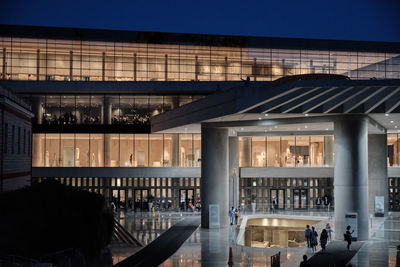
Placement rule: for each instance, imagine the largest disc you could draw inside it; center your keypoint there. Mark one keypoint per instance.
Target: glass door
(141, 199)
(186, 198)
(119, 198)
(300, 199)
(279, 196)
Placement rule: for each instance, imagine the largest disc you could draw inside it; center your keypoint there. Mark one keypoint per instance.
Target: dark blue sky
(368, 20)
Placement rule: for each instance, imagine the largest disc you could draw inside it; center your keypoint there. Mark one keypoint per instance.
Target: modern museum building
(209, 121)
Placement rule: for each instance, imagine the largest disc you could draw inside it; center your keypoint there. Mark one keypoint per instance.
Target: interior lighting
(259, 118)
(327, 129)
(305, 126)
(395, 126)
(391, 121)
(266, 115)
(386, 114)
(306, 114)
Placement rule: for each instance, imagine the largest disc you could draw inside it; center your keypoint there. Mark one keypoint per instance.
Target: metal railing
(306, 210)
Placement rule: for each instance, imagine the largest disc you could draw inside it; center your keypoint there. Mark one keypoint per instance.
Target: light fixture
(391, 121)
(306, 114)
(395, 126)
(266, 115)
(259, 118)
(386, 114)
(326, 129)
(305, 126)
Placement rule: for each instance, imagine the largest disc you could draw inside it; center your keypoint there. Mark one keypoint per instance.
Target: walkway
(336, 254)
(164, 246)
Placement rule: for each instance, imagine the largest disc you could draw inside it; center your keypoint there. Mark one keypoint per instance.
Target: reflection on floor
(210, 247)
(145, 227)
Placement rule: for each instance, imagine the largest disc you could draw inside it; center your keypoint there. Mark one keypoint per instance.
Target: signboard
(379, 206)
(351, 218)
(213, 210)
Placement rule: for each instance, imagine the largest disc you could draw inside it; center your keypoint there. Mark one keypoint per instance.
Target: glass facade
(136, 192)
(116, 150)
(291, 193)
(286, 151)
(106, 109)
(394, 194)
(80, 60)
(393, 142)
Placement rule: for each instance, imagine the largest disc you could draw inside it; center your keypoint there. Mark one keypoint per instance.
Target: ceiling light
(306, 114)
(259, 118)
(326, 129)
(305, 126)
(395, 126)
(386, 114)
(391, 121)
(266, 115)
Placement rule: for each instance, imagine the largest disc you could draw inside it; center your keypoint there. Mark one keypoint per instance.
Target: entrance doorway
(141, 199)
(300, 200)
(119, 198)
(279, 194)
(186, 196)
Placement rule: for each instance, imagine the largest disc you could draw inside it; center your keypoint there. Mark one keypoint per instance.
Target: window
(12, 139)
(24, 141)
(19, 140)
(5, 137)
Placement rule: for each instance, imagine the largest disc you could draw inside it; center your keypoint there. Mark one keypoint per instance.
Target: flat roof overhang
(298, 102)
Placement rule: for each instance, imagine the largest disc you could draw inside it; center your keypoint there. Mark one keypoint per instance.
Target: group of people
(311, 237)
(69, 119)
(319, 202)
(234, 215)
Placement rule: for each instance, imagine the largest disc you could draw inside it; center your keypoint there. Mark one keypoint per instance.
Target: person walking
(236, 216)
(314, 239)
(318, 203)
(305, 262)
(307, 235)
(232, 214)
(347, 236)
(329, 230)
(323, 239)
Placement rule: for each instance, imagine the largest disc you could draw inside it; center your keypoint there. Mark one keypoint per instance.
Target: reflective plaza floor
(210, 247)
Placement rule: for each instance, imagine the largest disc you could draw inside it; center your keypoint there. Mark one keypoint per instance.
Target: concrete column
(328, 151)
(37, 109)
(175, 150)
(107, 110)
(107, 150)
(214, 174)
(351, 173)
(377, 170)
(233, 171)
(246, 156)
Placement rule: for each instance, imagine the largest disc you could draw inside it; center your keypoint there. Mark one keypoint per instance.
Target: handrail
(120, 233)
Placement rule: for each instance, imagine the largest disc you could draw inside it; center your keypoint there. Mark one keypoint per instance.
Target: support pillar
(214, 174)
(377, 171)
(107, 110)
(351, 173)
(233, 171)
(175, 150)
